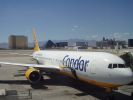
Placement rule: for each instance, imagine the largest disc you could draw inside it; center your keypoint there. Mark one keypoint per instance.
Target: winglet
(36, 48)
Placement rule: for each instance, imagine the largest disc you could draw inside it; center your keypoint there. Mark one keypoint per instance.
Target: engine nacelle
(33, 75)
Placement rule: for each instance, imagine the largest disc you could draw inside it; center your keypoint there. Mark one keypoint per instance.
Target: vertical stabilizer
(36, 48)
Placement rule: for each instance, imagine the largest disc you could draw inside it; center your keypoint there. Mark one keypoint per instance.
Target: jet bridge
(128, 58)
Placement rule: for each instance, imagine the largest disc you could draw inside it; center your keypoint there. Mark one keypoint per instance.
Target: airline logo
(77, 64)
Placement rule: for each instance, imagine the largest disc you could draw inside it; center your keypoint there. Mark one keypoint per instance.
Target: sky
(67, 19)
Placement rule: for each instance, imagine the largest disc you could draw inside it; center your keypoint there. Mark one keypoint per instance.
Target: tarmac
(54, 86)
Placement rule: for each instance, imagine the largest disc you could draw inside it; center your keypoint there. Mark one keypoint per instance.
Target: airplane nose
(122, 76)
(127, 75)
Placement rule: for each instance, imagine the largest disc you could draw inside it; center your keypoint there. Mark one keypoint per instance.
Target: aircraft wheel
(111, 97)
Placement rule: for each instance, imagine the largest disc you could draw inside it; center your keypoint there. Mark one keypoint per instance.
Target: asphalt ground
(54, 86)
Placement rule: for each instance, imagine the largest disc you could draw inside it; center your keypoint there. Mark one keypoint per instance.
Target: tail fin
(36, 48)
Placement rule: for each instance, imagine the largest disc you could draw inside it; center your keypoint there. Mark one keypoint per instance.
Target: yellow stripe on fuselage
(100, 84)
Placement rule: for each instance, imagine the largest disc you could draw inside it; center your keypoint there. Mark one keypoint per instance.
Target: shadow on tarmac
(59, 80)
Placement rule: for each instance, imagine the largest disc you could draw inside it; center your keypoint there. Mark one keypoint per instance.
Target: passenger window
(114, 65)
(110, 66)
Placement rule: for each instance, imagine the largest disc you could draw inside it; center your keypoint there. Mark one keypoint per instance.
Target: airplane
(102, 69)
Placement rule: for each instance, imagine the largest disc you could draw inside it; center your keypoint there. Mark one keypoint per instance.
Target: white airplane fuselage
(98, 68)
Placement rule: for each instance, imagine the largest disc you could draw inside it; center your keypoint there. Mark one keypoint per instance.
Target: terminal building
(51, 44)
(111, 44)
(68, 44)
(78, 45)
(61, 44)
(130, 42)
(18, 42)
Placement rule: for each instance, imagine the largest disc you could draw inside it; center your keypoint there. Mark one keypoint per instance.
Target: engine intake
(33, 75)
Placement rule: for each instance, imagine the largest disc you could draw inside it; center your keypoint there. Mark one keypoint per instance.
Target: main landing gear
(110, 94)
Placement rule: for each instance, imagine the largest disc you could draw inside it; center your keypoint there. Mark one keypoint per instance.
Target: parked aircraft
(98, 68)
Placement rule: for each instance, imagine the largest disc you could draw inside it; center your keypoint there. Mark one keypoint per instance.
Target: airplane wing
(52, 67)
(22, 54)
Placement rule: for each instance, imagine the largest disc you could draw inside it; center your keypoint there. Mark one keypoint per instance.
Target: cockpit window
(110, 66)
(116, 66)
(121, 65)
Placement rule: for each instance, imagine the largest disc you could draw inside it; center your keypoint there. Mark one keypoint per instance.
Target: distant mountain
(41, 44)
(4, 45)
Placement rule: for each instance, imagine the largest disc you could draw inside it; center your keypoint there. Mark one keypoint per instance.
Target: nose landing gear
(110, 94)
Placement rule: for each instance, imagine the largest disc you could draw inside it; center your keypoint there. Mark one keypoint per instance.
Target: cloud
(94, 36)
(126, 33)
(75, 27)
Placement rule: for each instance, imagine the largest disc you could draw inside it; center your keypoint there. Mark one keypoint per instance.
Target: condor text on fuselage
(75, 63)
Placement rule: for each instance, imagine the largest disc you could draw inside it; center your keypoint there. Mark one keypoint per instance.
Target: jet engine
(33, 75)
